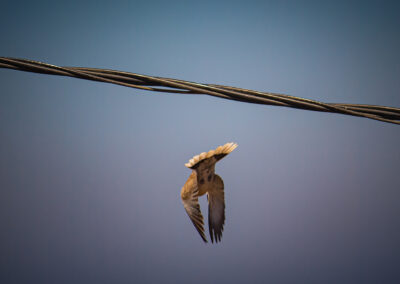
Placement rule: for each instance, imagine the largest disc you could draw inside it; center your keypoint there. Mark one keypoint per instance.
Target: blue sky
(91, 172)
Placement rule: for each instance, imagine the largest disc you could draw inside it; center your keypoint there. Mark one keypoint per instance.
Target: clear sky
(90, 173)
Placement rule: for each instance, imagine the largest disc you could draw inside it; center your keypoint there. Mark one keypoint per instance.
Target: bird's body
(203, 180)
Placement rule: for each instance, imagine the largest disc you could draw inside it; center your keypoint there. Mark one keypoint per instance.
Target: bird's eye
(201, 181)
(209, 177)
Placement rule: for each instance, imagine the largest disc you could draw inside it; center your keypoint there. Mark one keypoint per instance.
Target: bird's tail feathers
(218, 153)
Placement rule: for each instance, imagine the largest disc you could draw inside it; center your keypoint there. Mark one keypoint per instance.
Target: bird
(203, 180)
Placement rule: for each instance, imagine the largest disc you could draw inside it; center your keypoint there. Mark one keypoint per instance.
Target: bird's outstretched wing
(189, 195)
(216, 209)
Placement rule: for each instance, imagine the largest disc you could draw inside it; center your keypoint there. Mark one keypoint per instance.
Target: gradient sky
(90, 173)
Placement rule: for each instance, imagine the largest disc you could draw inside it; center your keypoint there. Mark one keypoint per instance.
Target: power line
(159, 84)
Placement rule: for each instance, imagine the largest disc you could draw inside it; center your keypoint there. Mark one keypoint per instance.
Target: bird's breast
(204, 188)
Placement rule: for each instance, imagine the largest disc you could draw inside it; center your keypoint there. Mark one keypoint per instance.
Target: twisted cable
(159, 84)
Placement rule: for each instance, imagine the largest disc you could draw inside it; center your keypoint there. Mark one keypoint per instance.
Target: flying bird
(203, 180)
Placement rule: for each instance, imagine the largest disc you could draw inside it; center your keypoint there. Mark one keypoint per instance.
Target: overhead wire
(160, 84)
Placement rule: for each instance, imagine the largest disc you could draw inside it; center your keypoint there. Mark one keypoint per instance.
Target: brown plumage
(204, 180)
